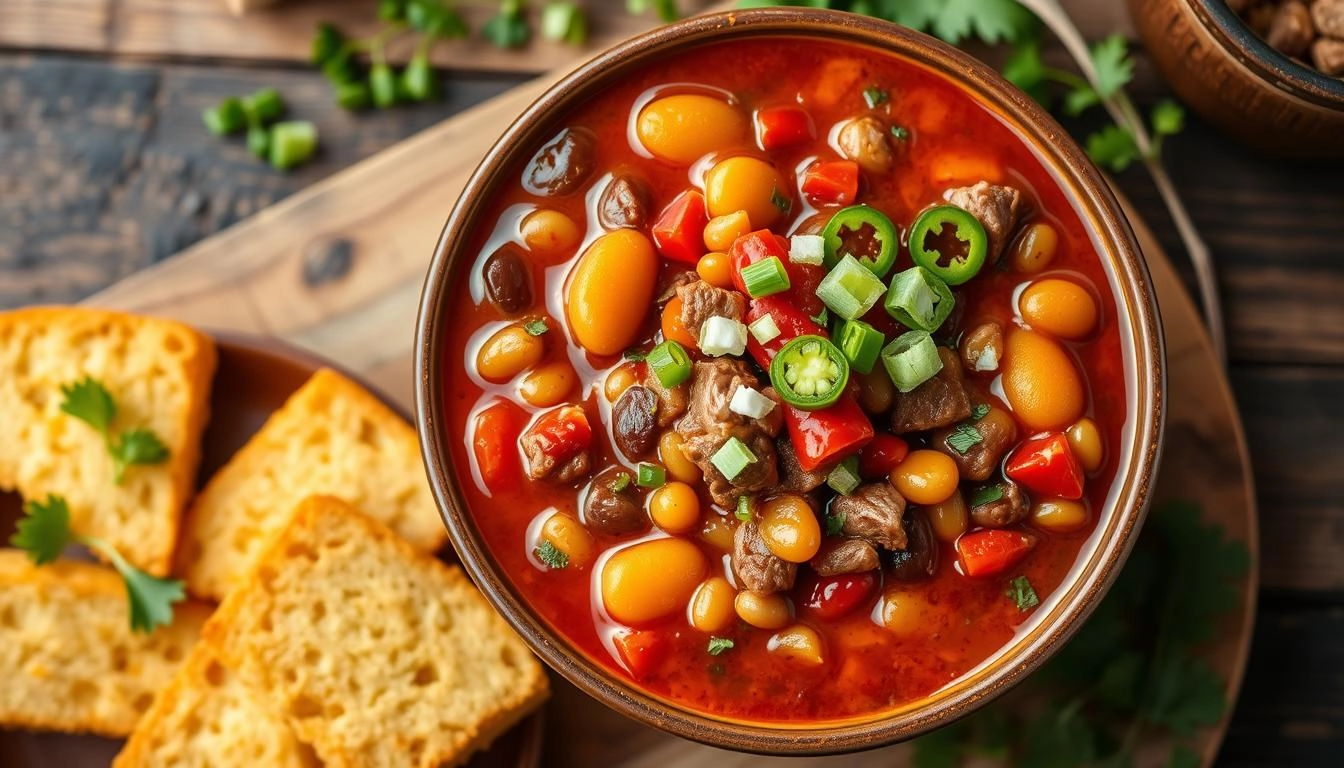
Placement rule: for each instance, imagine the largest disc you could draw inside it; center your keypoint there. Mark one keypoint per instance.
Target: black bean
(919, 559)
(635, 422)
(624, 203)
(610, 511)
(507, 283)
(563, 164)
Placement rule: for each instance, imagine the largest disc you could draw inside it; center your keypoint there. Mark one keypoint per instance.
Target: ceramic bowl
(1233, 79)
(1118, 524)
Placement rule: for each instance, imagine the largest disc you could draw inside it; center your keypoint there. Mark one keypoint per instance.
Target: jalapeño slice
(809, 373)
(967, 253)
(864, 233)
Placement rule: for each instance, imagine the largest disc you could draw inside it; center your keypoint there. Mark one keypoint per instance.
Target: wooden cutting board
(278, 273)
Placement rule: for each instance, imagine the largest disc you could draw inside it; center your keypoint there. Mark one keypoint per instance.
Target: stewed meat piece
(556, 445)
(1291, 31)
(625, 202)
(873, 513)
(672, 401)
(1008, 508)
(612, 504)
(939, 402)
(838, 555)
(708, 424)
(997, 207)
(792, 476)
(978, 446)
(982, 348)
(919, 559)
(756, 567)
(701, 301)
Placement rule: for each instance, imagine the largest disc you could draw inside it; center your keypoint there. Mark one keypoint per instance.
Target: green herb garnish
(536, 327)
(874, 97)
(964, 437)
(835, 524)
(1021, 592)
(718, 645)
(986, 494)
(780, 201)
(45, 532)
(621, 482)
(90, 402)
(551, 555)
(979, 411)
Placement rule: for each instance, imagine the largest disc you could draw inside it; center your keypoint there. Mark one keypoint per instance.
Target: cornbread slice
(331, 437)
(206, 718)
(377, 653)
(68, 658)
(159, 375)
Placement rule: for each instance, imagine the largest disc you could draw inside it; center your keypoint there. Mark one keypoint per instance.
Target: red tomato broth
(867, 670)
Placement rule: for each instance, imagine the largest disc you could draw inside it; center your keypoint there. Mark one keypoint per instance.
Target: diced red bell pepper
(641, 651)
(828, 435)
(834, 182)
(560, 433)
(782, 126)
(792, 323)
(991, 552)
(803, 278)
(679, 231)
(880, 456)
(494, 441)
(832, 597)
(1046, 464)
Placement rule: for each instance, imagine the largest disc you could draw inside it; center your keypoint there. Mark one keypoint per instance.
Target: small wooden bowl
(1232, 78)
(1141, 340)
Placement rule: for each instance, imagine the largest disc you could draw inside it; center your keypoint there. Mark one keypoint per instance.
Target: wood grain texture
(207, 28)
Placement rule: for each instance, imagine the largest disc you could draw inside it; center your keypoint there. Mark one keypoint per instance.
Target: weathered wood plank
(206, 28)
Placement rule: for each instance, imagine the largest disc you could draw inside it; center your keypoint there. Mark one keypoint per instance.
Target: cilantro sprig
(1134, 672)
(90, 402)
(45, 532)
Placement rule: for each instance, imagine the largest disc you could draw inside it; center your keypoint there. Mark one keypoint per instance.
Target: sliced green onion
(844, 479)
(621, 482)
(650, 475)
(226, 118)
(265, 105)
(732, 457)
(861, 343)
(750, 403)
(807, 249)
(292, 143)
(743, 512)
(670, 363)
(919, 300)
(911, 359)
(964, 437)
(723, 336)
(850, 289)
(764, 329)
(765, 277)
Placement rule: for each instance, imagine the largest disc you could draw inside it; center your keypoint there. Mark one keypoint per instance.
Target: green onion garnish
(844, 479)
(743, 512)
(911, 359)
(919, 300)
(670, 363)
(292, 143)
(765, 277)
(764, 329)
(650, 475)
(621, 482)
(850, 289)
(861, 343)
(732, 457)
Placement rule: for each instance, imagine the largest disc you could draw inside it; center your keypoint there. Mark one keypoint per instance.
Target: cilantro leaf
(136, 447)
(718, 645)
(508, 28)
(564, 21)
(964, 437)
(979, 411)
(835, 524)
(45, 531)
(1022, 593)
(536, 327)
(1112, 147)
(551, 555)
(1025, 69)
(151, 598)
(90, 402)
(1186, 694)
(1080, 99)
(986, 494)
(874, 97)
(667, 9)
(1183, 756)
(1114, 67)
(1118, 686)
(1168, 118)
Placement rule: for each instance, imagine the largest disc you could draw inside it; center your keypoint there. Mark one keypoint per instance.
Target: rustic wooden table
(105, 170)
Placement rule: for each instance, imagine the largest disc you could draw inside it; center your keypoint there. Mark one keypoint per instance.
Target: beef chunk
(701, 301)
(938, 402)
(671, 400)
(573, 469)
(838, 555)
(997, 208)
(873, 513)
(756, 567)
(1327, 54)
(670, 285)
(997, 431)
(919, 559)
(982, 348)
(708, 424)
(1328, 17)
(634, 419)
(556, 445)
(1011, 508)
(611, 511)
(625, 202)
(1291, 31)
(792, 476)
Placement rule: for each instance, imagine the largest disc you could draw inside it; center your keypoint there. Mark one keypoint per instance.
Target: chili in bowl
(790, 381)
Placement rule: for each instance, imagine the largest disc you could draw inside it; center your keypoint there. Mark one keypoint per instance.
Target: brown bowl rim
(1144, 351)
(1238, 39)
